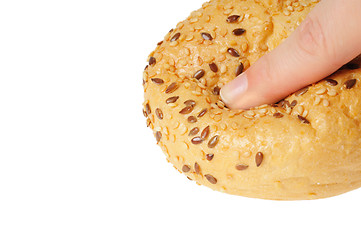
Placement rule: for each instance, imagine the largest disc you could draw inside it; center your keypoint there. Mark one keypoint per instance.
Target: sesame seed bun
(307, 146)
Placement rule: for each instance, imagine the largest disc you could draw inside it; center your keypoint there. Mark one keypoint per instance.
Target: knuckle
(312, 40)
(266, 77)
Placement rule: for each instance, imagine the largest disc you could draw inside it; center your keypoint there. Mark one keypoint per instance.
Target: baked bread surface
(307, 146)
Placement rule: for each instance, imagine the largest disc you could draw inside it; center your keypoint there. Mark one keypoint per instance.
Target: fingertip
(231, 93)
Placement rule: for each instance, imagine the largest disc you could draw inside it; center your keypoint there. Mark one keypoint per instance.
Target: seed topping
(201, 114)
(192, 119)
(239, 69)
(158, 136)
(159, 113)
(172, 99)
(158, 81)
(216, 90)
(303, 120)
(207, 36)
(147, 109)
(278, 115)
(350, 83)
(213, 67)
(211, 179)
(186, 168)
(293, 103)
(190, 103)
(171, 88)
(213, 141)
(199, 74)
(205, 133)
(209, 156)
(233, 52)
(197, 140)
(233, 18)
(193, 132)
(331, 82)
(197, 168)
(152, 61)
(238, 31)
(259, 159)
(175, 37)
(187, 109)
(241, 167)
(301, 91)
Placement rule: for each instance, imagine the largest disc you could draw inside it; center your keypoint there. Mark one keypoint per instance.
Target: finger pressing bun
(307, 146)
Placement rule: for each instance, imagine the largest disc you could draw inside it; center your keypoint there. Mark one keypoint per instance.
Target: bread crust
(307, 146)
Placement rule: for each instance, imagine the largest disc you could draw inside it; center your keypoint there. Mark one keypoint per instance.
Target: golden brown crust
(305, 147)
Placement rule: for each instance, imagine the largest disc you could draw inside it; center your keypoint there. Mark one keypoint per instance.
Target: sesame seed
(186, 168)
(241, 167)
(159, 113)
(197, 140)
(193, 20)
(325, 103)
(189, 38)
(171, 88)
(211, 179)
(202, 113)
(213, 67)
(213, 141)
(206, 36)
(259, 159)
(233, 18)
(187, 109)
(183, 129)
(233, 52)
(332, 92)
(350, 83)
(199, 74)
(210, 156)
(175, 37)
(193, 132)
(238, 31)
(220, 104)
(172, 99)
(158, 81)
(321, 91)
(303, 120)
(239, 69)
(205, 133)
(152, 61)
(317, 100)
(173, 44)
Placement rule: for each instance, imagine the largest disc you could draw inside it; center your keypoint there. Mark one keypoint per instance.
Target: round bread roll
(306, 146)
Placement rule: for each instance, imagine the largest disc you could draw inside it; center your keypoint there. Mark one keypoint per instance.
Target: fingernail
(233, 90)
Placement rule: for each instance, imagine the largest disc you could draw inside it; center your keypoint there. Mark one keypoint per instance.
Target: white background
(76, 158)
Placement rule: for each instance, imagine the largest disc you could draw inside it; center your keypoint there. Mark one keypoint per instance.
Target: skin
(329, 37)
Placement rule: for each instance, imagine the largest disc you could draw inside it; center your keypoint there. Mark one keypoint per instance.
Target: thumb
(329, 37)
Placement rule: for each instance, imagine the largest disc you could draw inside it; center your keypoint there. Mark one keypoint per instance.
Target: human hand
(329, 37)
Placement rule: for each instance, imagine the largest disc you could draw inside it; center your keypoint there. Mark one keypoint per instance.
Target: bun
(307, 146)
